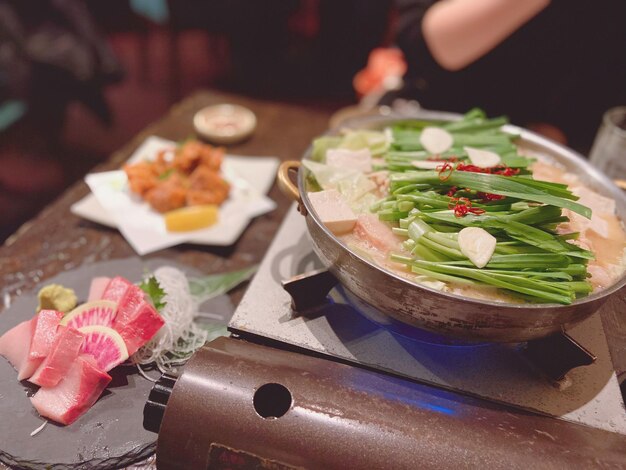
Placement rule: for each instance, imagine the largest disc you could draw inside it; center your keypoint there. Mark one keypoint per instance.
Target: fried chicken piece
(206, 187)
(191, 177)
(211, 158)
(168, 195)
(161, 165)
(188, 156)
(141, 177)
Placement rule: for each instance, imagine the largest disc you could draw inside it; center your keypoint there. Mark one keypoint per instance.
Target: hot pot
(454, 316)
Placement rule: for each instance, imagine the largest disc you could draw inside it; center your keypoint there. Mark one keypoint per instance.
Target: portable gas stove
(325, 381)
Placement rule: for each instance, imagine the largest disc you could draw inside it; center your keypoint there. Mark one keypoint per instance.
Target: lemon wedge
(191, 218)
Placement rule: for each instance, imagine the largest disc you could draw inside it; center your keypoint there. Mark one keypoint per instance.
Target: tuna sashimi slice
(62, 356)
(15, 346)
(116, 288)
(128, 306)
(45, 332)
(141, 328)
(74, 395)
(97, 288)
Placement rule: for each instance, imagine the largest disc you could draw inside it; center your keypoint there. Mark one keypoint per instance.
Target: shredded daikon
(144, 374)
(39, 429)
(179, 337)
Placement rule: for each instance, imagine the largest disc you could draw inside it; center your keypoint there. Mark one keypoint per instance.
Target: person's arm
(458, 32)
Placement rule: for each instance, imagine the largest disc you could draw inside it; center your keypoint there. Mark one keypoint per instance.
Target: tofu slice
(333, 211)
(359, 160)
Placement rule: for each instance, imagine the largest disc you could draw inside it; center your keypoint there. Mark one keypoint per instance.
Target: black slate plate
(110, 435)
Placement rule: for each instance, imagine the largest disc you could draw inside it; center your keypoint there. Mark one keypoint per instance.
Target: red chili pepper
(498, 170)
(445, 171)
(506, 171)
(472, 168)
(463, 206)
(502, 170)
(489, 196)
(477, 210)
(452, 191)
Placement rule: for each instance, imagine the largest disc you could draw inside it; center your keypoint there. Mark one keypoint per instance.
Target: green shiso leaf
(154, 291)
(207, 287)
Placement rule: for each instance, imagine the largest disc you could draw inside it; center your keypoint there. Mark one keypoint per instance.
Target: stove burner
(397, 327)
(553, 356)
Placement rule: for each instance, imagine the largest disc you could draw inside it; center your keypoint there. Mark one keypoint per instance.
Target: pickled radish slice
(98, 312)
(105, 345)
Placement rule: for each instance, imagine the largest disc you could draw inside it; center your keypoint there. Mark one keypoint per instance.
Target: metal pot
(443, 313)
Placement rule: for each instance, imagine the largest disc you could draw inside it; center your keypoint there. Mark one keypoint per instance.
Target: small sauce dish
(224, 123)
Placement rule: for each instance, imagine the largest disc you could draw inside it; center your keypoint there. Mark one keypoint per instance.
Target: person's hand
(383, 64)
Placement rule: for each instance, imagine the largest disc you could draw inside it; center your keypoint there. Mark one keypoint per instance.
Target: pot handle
(287, 187)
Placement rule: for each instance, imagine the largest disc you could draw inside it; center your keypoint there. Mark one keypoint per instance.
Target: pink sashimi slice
(15, 346)
(141, 328)
(62, 356)
(97, 288)
(116, 288)
(376, 233)
(128, 305)
(74, 395)
(45, 332)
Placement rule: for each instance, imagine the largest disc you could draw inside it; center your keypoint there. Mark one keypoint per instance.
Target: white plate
(112, 204)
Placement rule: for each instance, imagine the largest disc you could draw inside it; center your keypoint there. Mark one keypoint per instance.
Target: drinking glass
(608, 152)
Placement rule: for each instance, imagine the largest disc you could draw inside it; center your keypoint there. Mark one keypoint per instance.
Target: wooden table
(56, 240)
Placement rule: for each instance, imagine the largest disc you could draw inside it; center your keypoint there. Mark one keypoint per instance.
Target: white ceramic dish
(112, 204)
